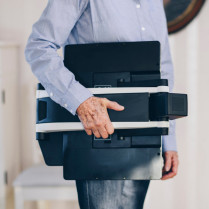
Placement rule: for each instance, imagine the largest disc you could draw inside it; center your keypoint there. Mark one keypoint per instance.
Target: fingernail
(166, 169)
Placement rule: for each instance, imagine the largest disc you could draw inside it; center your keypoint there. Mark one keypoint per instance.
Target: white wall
(9, 119)
(190, 50)
(16, 19)
(190, 55)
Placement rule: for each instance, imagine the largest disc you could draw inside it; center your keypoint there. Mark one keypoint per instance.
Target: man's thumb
(114, 106)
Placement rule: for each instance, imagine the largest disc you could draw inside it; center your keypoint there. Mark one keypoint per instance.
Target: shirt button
(138, 6)
(65, 105)
(51, 94)
(143, 28)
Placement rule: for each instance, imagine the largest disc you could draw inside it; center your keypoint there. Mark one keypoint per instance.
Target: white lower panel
(78, 126)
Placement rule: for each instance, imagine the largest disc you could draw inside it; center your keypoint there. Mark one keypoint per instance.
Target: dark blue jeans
(111, 194)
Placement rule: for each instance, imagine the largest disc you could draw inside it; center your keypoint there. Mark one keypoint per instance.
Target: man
(66, 22)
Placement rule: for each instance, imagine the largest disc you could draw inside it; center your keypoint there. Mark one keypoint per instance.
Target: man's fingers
(104, 128)
(175, 166)
(88, 131)
(94, 116)
(109, 128)
(171, 160)
(103, 132)
(114, 106)
(168, 175)
(108, 125)
(167, 165)
(87, 122)
(96, 133)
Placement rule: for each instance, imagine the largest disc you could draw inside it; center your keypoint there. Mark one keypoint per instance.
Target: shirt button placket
(138, 6)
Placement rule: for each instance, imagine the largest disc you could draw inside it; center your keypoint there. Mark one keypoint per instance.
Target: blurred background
(19, 150)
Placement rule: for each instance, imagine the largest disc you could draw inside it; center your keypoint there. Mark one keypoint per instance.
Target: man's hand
(171, 163)
(94, 116)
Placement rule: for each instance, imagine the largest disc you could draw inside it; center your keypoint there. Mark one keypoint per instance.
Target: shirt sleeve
(50, 33)
(167, 72)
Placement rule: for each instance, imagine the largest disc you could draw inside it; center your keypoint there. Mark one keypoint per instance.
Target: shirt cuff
(74, 96)
(169, 143)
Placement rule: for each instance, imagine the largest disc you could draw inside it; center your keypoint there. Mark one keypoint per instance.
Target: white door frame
(2, 184)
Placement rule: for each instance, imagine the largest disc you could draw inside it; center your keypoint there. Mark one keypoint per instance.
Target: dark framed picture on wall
(180, 13)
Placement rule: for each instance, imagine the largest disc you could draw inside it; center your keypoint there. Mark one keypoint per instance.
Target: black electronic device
(129, 73)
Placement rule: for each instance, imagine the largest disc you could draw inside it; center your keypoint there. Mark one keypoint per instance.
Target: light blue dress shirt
(66, 22)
